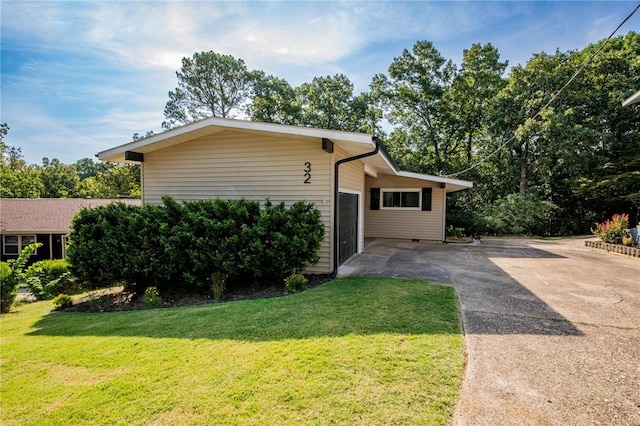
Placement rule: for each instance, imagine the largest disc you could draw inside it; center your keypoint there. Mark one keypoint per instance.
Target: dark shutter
(426, 199)
(375, 199)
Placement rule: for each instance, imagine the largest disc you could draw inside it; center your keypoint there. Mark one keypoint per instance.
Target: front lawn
(355, 350)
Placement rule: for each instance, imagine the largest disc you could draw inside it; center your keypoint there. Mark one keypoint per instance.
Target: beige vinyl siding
(351, 173)
(404, 224)
(239, 165)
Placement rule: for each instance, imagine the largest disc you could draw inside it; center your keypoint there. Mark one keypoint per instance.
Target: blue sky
(80, 77)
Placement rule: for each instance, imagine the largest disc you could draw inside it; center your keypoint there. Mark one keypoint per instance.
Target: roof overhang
(451, 185)
(353, 143)
(212, 125)
(633, 99)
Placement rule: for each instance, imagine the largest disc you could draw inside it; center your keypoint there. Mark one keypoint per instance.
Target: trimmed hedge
(178, 246)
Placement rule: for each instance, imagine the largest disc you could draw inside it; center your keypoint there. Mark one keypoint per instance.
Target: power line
(554, 97)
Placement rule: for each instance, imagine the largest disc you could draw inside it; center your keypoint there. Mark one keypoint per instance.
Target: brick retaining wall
(616, 248)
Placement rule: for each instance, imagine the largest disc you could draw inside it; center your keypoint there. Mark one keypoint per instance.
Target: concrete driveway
(552, 328)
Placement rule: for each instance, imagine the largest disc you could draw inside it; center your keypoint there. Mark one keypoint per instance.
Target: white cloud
(159, 34)
(92, 73)
(316, 40)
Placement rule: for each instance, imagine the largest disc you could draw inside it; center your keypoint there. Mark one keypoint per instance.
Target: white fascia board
(334, 135)
(456, 182)
(453, 184)
(633, 99)
(389, 162)
(109, 154)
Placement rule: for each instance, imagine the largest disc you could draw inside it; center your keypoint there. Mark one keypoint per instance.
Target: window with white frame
(14, 244)
(401, 199)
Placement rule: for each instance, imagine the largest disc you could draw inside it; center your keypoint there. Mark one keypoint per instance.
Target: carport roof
(353, 143)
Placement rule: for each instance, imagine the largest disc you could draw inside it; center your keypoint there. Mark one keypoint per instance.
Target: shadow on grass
(360, 306)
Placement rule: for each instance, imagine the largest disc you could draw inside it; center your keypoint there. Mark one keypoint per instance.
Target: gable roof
(352, 143)
(46, 215)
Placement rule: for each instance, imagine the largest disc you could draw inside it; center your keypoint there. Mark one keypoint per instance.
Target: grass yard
(355, 350)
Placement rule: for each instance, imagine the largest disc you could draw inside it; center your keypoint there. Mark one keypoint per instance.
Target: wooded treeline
(53, 179)
(543, 162)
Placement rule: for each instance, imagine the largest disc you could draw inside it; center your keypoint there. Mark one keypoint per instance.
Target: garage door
(347, 226)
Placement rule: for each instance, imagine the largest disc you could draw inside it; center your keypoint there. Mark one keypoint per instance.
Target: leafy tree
(609, 150)
(118, 180)
(17, 178)
(581, 151)
(4, 130)
(412, 96)
(87, 167)
(209, 84)
(329, 103)
(58, 179)
(472, 90)
(137, 137)
(468, 101)
(274, 101)
(107, 180)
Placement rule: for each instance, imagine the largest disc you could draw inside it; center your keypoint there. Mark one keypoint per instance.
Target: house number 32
(307, 172)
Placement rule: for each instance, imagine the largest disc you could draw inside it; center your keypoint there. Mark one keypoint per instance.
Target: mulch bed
(116, 299)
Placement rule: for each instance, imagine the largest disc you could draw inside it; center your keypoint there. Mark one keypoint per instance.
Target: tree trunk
(436, 151)
(524, 169)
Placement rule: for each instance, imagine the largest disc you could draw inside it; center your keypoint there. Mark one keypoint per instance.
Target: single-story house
(24, 221)
(357, 187)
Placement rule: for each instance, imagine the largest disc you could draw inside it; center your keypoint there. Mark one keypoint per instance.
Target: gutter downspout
(336, 199)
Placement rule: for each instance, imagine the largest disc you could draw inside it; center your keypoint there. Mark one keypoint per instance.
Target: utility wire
(553, 98)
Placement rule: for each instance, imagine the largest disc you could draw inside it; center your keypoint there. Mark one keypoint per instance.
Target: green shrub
(199, 238)
(287, 240)
(62, 301)
(102, 244)
(454, 232)
(295, 283)
(517, 215)
(151, 298)
(6, 297)
(178, 246)
(12, 274)
(613, 230)
(49, 278)
(5, 270)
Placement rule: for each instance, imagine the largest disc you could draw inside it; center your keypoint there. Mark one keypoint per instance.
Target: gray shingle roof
(45, 215)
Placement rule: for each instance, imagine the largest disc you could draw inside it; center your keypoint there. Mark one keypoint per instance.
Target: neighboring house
(44, 220)
(357, 187)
